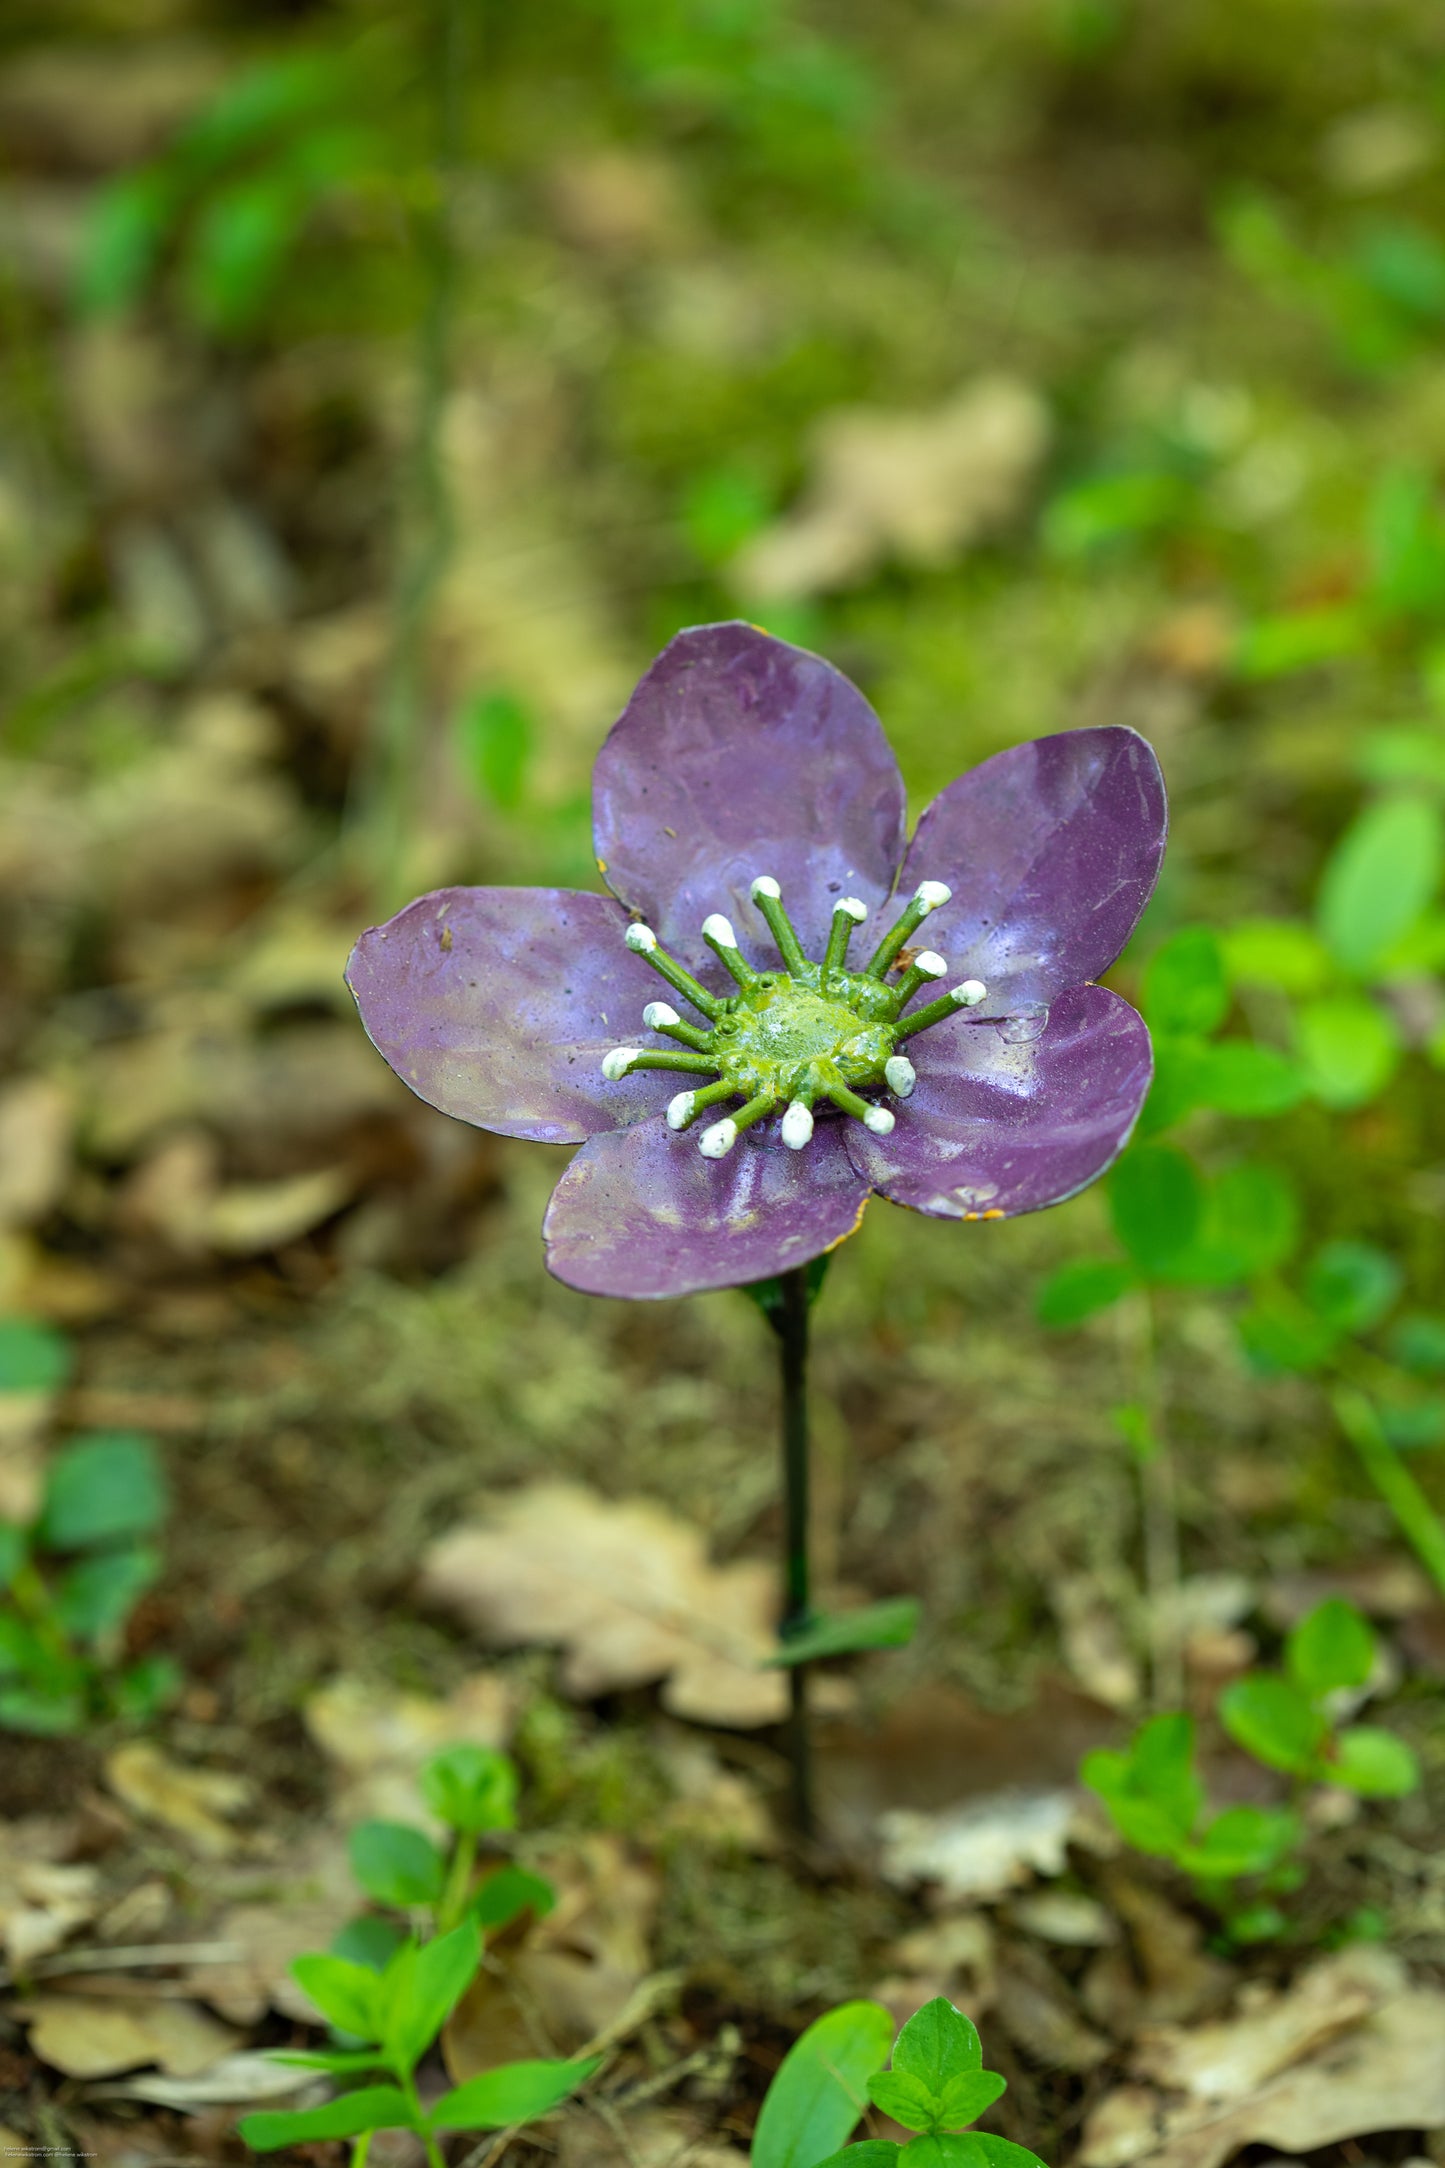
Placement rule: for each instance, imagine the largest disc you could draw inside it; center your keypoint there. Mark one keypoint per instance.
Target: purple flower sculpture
(749, 819)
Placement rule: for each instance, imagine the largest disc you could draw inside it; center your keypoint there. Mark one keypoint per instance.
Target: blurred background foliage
(383, 384)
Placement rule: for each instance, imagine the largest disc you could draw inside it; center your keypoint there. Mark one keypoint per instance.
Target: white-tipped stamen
(680, 1109)
(640, 939)
(716, 1142)
(856, 911)
(931, 894)
(930, 963)
(879, 1120)
(765, 885)
(717, 928)
(797, 1125)
(970, 993)
(901, 1075)
(616, 1064)
(659, 1014)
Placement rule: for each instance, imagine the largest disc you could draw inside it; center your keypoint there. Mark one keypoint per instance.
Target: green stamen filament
(686, 1035)
(914, 977)
(894, 940)
(840, 933)
(766, 896)
(932, 1012)
(690, 1064)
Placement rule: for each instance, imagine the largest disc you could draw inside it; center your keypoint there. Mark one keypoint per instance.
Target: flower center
(811, 1034)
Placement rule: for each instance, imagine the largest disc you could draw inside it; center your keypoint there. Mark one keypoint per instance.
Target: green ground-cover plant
(935, 2086)
(388, 1984)
(71, 1577)
(1287, 1719)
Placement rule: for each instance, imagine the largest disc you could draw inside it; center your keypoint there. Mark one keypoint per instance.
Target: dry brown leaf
(250, 1218)
(37, 1117)
(983, 1848)
(379, 1738)
(268, 1938)
(191, 1802)
(1225, 2061)
(241, 2080)
(573, 1974)
(626, 1590)
(649, 2138)
(97, 2036)
(1038, 2013)
(1384, 2071)
(919, 487)
(43, 1896)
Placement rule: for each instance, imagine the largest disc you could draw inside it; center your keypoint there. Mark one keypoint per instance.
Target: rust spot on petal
(857, 1223)
(446, 938)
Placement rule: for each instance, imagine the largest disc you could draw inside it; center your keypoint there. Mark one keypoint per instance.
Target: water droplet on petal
(1027, 1023)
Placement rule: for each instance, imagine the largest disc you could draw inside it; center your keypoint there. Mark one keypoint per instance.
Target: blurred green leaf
(1407, 544)
(1156, 1200)
(125, 235)
(1352, 1284)
(1348, 1047)
(373, 2107)
(1250, 1225)
(396, 1865)
(498, 741)
(347, 1994)
(1152, 1791)
(1185, 989)
(41, 1710)
(722, 510)
(1379, 878)
(1283, 953)
(1273, 1721)
(1403, 757)
(1280, 1334)
(512, 2093)
(103, 1488)
(887, 1625)
(1080, 1289)
(13, 1552)
(1242, 1841)
(1373, 1763)
(34, 1358)
(1111, 509)
(1413, 1426)
(94, 1599)
(368, 1941)
(1332, 1647)
(240, 239)
(509, 1892)
(471, 1788)
(1235, 1077)
(1274, 647)
(1417, 1343)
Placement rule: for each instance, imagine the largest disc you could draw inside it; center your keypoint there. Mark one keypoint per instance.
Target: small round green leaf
(101, 1489)
(1185, 989)
(1156, 1200)
(1331, 1648)
(396, 1865)
(1348, 1047)
(1372, 1762)
(1379, 878)
(471, 1788)
(1274, 1721)
(34, 1358)
(1080, 1289)
(1352, 1284)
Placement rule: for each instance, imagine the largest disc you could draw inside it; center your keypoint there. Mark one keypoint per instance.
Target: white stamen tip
(856, 911)
(901, 1075)
(717, 928)
(970, 994)
(616, 1064)
(640, 939)
(797, 1126)
(930, 963)
(658, 1014)
(879, 1120)
(765, 885)
(931, 894)
(679, 1110)
(718, 1141)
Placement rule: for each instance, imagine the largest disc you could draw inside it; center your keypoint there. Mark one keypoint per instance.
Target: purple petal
(739, 755)
(1052, 850)
(1005, 1127)
(498, 1004)
(642, 1214)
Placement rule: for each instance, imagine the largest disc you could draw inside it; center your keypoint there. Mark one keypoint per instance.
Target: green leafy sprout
(71, 1577)
(386, 1989)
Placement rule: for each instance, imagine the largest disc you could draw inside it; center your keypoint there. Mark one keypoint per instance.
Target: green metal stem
(792, 1327)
